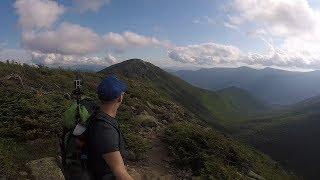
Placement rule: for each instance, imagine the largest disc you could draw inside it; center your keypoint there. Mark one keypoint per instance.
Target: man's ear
(120, 98)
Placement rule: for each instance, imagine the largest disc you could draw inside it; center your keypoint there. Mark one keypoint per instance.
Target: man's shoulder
(101, 125)
(103, 137)
(105, 120)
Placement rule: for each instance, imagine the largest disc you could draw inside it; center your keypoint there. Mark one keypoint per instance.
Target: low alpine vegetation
(210, 154)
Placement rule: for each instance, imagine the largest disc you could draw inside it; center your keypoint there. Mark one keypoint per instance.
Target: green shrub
(146, 121)
(137, 146)
(210, 154)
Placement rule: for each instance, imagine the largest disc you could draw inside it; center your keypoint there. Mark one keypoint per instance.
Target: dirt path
(158, 156)
(156, 165)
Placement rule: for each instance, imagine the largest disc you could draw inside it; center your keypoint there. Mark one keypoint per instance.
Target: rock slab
(45, 168)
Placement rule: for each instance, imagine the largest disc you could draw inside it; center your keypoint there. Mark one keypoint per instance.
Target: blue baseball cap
(111, 88)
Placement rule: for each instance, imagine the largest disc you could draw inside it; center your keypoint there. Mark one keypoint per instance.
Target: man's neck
(110, 110)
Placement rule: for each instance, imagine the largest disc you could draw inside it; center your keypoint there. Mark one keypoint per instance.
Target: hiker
(105, 145)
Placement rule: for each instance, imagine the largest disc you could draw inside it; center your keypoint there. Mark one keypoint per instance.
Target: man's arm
(115, 162)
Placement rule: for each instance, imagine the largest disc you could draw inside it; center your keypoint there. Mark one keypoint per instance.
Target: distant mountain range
(270, 85)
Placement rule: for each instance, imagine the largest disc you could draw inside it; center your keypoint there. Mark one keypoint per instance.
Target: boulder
(45, 168)
(23, 173)
(255, 176)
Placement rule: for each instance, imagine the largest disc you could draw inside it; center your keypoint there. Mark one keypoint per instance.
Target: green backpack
(73, 140)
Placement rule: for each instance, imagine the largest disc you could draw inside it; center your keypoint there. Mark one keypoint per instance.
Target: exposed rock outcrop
(45, 169)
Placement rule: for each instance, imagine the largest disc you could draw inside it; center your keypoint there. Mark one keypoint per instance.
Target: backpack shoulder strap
(91, 118)
(115, 127)
(122, 145)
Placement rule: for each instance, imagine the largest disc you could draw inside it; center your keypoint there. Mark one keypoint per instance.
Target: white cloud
(209, 53)
(204, 20)
(115, 39)
(110, 59)
(231, 26)
(89, 5)
(235, 20)
(131, 39)
(213, 54)
(281, 17)
(138, 40)
(38, 13)
(293, 22)
(277, 58)
(67, 39)
(257, 33)
(72, 39)
(52, 59)
(67, 43)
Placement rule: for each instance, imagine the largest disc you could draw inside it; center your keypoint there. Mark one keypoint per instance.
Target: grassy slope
(30, 121)
(27, 119)
(216, 156)
(241, 105)
(241, 100)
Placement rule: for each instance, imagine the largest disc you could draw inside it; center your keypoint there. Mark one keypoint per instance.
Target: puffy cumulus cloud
(38, 13)
(115, 39)
(138, 40)
(110, 59)
(307, 47)
(293, 21)
(67, 43)
(52, 59)
(276, 58)
(218, 54)
(89, 5)
(209, 53)
(281, 17)
(131, 39)
(67, 39)
(72, 39)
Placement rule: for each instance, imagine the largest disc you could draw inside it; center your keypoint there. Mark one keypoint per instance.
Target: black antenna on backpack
(77, 93)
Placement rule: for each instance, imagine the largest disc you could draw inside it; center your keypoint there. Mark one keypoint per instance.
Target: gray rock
(45, 168)
(23, 173)
(255, 176)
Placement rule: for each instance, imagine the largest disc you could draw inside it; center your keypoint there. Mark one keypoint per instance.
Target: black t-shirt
(103, 136)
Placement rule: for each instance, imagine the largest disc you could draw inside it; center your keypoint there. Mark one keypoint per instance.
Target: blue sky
(181, 33)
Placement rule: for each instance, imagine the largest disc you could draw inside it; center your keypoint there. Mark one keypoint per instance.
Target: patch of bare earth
(156, 164)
